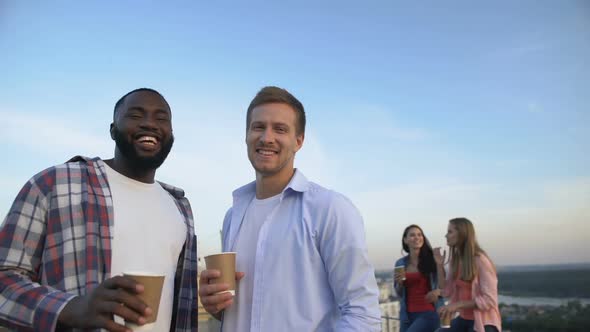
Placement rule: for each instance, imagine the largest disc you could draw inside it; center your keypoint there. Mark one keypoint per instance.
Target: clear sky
(419, 112)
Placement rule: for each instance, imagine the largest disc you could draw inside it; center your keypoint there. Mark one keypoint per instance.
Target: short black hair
(122, 99)
(273, 94)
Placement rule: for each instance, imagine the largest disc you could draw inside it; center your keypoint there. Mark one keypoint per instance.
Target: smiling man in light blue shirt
(301, 248)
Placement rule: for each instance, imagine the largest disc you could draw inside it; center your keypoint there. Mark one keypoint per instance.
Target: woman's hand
(399, 277)
(433, 295)
(448, 310)
(439, 258)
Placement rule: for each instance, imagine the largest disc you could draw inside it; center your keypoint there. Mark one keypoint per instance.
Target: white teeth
(148, 139)
(266, 152)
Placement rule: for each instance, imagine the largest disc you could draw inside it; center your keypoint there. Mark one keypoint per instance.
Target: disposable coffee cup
(152, 292)
(400, 269)
(445, 321)
(225, 262)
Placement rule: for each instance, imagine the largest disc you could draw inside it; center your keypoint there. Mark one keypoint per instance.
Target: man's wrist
(218, 316)
(67, 316)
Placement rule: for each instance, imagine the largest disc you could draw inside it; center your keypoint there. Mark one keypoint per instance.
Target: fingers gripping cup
(152, 284)
(226, 263)
(401, 270)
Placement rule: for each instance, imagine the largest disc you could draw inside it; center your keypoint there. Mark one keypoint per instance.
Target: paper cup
(400, 269)
(152, 284)
(226, 263)
(445, 321)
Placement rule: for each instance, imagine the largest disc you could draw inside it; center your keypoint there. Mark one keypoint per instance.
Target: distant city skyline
(418, 112)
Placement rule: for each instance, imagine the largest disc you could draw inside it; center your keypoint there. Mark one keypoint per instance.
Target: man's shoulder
(66, 169)
(245, 190)
(320, 195)
(46, 180)
(176, 192)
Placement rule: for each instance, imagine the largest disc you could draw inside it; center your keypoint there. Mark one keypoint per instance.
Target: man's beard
(138, 162)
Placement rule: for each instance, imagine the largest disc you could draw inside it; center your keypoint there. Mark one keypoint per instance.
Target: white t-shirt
(148, 235)
(238, 316)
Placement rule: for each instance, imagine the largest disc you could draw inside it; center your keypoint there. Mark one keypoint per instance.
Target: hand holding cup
(399, 273)
(152, 284)
(217, 284)
(446, 313)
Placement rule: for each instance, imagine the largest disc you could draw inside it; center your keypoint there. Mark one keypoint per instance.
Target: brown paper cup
(400, 269)
(152, 292)
(226, 263)
(445, 321)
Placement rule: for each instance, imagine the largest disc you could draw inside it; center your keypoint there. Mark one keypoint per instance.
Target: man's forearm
(42, 310)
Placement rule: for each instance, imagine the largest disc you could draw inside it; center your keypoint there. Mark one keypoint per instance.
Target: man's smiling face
(272, 139)
(142, 130)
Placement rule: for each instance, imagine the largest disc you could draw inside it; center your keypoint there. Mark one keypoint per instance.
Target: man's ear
(299, 141)
(112, 130)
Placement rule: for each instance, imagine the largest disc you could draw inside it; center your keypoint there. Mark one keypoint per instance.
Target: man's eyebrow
(136, 108)
(163, 110)
(142, 109)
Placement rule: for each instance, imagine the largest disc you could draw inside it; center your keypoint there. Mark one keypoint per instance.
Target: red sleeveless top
(417, 286)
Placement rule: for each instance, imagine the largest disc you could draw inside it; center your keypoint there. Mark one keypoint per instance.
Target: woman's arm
(486, 294)
(441, 276)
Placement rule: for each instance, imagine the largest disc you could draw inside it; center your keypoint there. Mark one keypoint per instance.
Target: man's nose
(148, 122)
(267, 136)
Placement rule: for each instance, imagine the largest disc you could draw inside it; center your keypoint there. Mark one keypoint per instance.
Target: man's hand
(115, 296)
(215, 303)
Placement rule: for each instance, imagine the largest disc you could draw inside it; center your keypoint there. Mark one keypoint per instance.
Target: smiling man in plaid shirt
(75, 228)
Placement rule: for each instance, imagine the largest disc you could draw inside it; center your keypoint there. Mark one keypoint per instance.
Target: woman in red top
(472, 283)
(418, 286)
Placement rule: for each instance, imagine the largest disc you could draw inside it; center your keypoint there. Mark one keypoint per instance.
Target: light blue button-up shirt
(312, 271)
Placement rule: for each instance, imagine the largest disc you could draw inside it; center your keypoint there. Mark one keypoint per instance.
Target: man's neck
(268, 186)
(122, 167)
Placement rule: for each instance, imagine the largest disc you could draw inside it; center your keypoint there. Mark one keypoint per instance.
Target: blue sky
(418, 112)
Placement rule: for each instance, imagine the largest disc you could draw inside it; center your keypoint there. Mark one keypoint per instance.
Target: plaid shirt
(55, 244)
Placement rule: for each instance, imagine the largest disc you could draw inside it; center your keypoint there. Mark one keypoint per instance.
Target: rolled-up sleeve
(351, 275)
(24, 303)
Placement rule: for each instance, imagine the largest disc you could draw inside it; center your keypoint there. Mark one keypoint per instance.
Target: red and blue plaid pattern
(55, 244)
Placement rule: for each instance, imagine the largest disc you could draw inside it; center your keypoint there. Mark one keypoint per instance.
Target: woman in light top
(418, 286)
(472, 282)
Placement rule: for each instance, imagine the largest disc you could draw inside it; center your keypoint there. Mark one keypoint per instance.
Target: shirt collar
(298, 183)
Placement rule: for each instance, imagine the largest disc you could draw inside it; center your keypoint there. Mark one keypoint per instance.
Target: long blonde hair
(462, 254)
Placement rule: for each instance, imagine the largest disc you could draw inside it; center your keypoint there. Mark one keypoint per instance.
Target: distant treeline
(572, 317)
(552, 283)
(540, 283)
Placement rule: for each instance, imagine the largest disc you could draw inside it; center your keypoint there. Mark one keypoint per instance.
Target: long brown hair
(462, 254)
(426, 264)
